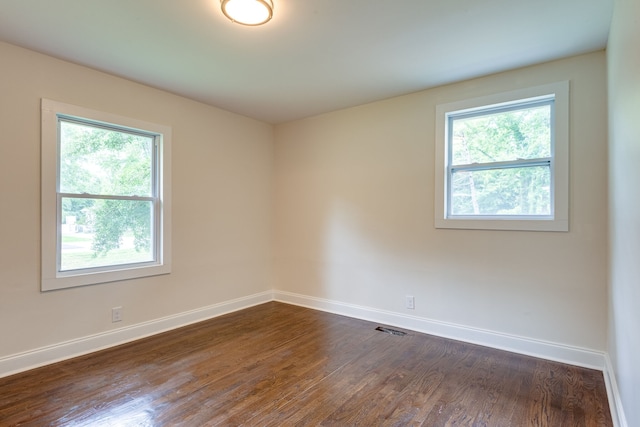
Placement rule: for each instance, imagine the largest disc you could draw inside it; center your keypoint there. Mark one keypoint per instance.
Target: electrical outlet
(116, 314)
(410, 302)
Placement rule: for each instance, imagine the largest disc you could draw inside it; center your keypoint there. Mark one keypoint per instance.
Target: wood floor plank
(281, 365)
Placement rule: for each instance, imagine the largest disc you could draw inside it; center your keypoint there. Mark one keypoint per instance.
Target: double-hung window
(105, 197)
(502, 161)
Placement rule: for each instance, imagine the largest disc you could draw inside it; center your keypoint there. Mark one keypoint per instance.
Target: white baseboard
(547, 350)
(54, 353)
(531, 347)
(613, 393)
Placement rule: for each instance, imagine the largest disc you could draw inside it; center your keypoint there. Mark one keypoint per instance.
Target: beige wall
(624, 205)
(222, 168)
(343, 201)
(354, 197)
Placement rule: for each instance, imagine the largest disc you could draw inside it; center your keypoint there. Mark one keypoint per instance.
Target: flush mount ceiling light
(248, 12)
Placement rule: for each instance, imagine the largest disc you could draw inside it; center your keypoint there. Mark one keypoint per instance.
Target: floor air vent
(391, 331)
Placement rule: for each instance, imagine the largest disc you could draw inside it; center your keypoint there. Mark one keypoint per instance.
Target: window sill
(503, 224)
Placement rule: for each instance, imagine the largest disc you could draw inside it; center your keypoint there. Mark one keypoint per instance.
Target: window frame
(53, 278)
(558, 161)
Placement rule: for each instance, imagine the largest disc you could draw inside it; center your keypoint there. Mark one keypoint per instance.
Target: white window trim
(52, 279)
(559, 220)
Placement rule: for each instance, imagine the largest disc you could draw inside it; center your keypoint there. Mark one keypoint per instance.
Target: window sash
(154, 229)
(488, 110)
(520, 163)
(154, 198)
(491, 110)
(155, 155)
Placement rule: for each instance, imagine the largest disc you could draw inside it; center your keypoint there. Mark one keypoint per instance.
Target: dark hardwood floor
(282, 365)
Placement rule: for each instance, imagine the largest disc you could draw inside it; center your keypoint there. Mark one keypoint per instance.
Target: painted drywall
(351, 193)
(222, 169)
(623, 58)
(354, 217)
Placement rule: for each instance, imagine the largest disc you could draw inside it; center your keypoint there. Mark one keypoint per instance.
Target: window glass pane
(98, 232)
(102, 161)
(511, 191)
(503, 136)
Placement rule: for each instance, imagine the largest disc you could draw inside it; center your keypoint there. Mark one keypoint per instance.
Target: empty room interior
(320, 231)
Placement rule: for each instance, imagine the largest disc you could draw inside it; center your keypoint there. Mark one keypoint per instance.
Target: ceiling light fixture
(248, 12)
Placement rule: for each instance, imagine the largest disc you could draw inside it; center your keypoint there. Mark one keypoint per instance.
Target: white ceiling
(314, 56)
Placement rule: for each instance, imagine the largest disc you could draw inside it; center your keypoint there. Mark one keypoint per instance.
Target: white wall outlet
(410, 302)
(116, 314)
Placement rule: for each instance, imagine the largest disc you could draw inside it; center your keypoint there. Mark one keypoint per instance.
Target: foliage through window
(111, 200)
(504, 164)
(107, 196)
(500, 161)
